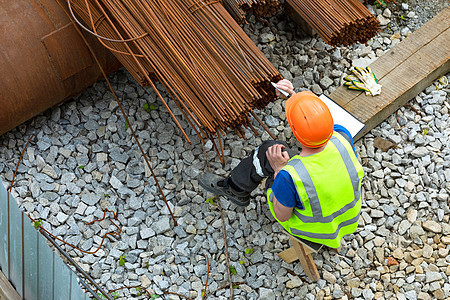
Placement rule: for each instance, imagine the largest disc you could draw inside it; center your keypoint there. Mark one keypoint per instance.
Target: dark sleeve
(284, 190)
(346, 134)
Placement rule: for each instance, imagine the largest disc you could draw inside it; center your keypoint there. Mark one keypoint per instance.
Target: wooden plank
(7, 291)
(15, 229)
(46, 270)
(399, 54)
(31, 260)
(288, 255)
(404, 82)
(306, 260)
(404, 71)
(311, 246)
(413, 43)
(3, 229)
(61, 280)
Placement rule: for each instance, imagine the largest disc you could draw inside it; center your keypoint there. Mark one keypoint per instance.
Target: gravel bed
(85, 160)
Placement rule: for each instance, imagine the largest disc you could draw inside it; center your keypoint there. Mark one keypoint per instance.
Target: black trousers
(245, 174)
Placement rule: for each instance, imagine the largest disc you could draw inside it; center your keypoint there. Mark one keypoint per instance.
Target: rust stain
(66, 51)
(47, 13)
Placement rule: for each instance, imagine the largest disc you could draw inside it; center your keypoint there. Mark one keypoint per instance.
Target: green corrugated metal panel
(45, 275)
(61, 281)
(3, 230)
(75, 290)
(31, 259)
(46, 270)
(15, 250)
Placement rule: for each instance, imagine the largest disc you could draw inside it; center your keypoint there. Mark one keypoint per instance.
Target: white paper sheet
(343, 117)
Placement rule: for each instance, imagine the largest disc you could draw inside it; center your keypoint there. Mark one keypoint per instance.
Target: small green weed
(242, 262)
(115, 295)
(126, 125)
(425, 131)
(122, 260)
(249, 251)
(401, 17)
(106, 195)
(37, 223)
(154, 296)
(380, 3)
(81, 167)
(233, 270)
(100, 295)
(148, 108)
(210, 200)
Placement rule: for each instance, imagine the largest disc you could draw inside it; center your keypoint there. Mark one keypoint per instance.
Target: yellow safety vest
(329, 186)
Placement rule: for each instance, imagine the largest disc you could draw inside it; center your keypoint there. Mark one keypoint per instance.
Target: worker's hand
(284, 85)
(277, 157)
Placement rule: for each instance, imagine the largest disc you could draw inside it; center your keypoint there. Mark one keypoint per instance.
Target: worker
(315, 194)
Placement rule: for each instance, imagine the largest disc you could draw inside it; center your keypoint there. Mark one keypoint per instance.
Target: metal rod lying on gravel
(49, 238)
(264, 126)
(217, 198)
(79, 269)
(123, 113)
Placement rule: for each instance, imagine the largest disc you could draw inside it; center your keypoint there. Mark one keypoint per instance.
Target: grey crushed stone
(405, 211)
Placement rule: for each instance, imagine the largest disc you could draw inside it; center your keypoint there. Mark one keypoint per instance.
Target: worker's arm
(277, 160)
(286, 86)
(282, 212)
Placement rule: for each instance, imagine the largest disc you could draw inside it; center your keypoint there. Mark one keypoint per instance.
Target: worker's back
(336, 178)
(329, 187)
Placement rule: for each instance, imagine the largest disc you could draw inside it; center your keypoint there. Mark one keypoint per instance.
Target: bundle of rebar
(338, 22)
(262, 8)
(207, 64)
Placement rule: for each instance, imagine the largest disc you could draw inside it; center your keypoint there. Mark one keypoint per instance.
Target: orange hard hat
(310, 119)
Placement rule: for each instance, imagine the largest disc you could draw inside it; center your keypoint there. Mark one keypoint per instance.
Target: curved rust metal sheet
(43, 60)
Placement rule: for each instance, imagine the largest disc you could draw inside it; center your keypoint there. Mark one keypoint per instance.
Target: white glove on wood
(366, 76)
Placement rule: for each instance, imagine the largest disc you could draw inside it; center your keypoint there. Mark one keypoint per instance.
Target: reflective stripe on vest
(327, 236)
(313, 212)
(311, 190)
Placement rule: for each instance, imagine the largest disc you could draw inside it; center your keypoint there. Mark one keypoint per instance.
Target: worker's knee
(266, 144)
